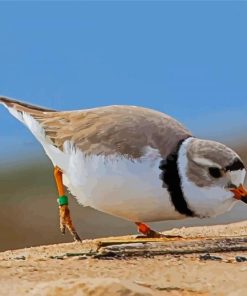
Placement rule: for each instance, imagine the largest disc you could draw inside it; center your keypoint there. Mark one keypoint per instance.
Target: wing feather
(124, 130)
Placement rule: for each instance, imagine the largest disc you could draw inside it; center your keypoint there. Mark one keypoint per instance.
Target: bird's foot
(66, 222)
(149, 233)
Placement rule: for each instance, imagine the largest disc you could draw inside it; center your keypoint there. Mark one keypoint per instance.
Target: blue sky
(188, 59)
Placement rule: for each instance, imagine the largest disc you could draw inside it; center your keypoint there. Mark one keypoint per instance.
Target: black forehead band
(235, 166)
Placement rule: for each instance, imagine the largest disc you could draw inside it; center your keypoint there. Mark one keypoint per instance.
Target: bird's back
(123, 130)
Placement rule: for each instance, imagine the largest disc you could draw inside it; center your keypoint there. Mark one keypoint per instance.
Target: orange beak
(240, 193)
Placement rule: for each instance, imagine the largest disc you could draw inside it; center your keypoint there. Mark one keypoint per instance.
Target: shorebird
(134, 163)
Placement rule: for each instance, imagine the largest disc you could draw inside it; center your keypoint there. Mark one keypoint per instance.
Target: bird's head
(212, 176)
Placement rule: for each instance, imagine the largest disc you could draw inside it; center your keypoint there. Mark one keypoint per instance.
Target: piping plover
(134, 163)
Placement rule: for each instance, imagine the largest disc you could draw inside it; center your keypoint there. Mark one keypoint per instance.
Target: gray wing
(124, 130)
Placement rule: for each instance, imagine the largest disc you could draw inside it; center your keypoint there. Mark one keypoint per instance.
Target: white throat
(203, 201)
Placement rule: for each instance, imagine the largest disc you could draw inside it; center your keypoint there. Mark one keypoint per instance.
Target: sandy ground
(130, 266)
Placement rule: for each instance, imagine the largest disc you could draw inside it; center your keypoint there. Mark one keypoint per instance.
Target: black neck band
(171, 181)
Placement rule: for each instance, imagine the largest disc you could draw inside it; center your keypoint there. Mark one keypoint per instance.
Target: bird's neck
(172, 181)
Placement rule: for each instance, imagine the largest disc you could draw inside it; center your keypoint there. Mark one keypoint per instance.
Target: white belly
(128, 189)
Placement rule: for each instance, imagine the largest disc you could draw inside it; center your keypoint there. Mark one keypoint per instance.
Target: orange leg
(65, 219)
(147, 231)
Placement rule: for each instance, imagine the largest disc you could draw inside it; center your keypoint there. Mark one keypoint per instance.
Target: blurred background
(187, 59)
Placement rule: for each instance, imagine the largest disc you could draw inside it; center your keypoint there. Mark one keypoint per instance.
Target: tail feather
(22, 106)
(40, 121)
(33, 117)
(22, 111)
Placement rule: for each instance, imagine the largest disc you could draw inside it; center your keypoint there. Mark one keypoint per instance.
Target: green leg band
(63, 200)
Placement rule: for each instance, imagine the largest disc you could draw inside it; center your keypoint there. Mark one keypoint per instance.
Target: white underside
(128, 189)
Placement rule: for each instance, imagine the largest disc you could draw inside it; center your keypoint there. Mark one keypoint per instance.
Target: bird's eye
(215, 172)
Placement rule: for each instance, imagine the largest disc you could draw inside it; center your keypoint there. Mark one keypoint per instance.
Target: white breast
(121, 187)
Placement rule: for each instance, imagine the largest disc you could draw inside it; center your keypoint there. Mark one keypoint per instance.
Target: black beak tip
(244, 199)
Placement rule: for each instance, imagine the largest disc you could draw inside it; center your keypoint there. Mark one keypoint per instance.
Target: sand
(129, 266)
